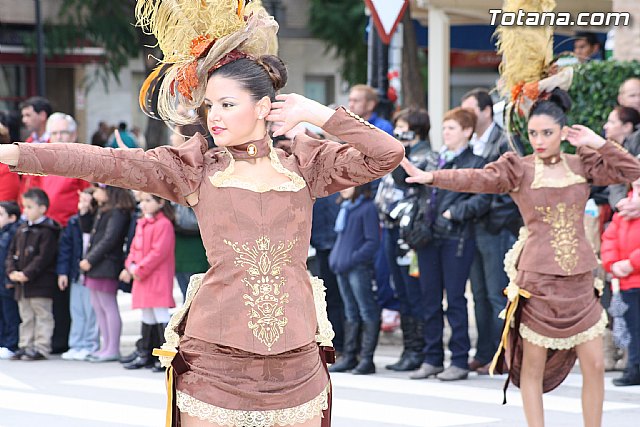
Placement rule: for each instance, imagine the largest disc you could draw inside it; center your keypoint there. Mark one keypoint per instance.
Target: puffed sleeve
(328, 167)
(502, 176)
(610, 164)
(169, 172)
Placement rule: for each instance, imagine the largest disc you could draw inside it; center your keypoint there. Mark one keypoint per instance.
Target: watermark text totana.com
(525, 18)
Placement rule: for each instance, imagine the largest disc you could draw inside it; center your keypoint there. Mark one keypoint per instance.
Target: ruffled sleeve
(328, 167)
(610, 164)
(169, 172)
(502, 176)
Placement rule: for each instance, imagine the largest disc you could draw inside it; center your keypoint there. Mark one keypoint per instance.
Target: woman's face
(100, 195)
(615, 129)
(454, 136)
(545, 136)
(232, 115)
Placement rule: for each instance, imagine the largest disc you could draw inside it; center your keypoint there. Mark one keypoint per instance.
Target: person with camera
(445, 259)
(392, 199)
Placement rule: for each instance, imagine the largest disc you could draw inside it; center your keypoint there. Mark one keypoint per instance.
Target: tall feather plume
(526, 50)
(175, 23)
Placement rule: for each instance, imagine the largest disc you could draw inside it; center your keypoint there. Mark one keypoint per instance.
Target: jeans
(488, 279)
(384, 294)
(9, 320)
(84, 333)
(407, 287)
(444, 266)
(632, 318)
(335, 307)
(356, 289)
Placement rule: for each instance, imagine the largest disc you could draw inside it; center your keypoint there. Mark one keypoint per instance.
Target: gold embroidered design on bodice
(563, 222)
(266, 300)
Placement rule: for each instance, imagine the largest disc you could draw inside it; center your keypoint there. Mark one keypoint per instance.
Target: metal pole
(40, 51)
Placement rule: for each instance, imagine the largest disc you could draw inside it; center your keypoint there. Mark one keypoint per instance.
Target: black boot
(631, 376)
(407, 325)
(135, 353)
(348, 360)
(160, 327)
(143, 359)
(370, 334)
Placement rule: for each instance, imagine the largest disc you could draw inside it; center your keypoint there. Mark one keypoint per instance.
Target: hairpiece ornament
(527, 53)
(197, 37)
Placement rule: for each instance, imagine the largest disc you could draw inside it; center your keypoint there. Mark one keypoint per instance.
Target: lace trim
(224, 178)
(565, 343)
(539, 181)
(325, 329)
(172, 339)
(239, 418)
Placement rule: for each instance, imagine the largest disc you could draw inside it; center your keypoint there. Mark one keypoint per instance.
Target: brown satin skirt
(563, 311)
(221, 377)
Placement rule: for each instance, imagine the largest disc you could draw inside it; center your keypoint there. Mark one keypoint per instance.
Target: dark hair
(11, 208)
(166, 208)
(261, 77)
(38, 196)
(466, 118)
(589, 37)
(556, 107)
(122, 126)
(361, 190)
(119, 198)
(39, 105)
(482, 97)
(628, 115)
(417, 119)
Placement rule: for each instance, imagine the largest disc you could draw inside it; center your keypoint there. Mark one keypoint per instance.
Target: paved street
(59, 393)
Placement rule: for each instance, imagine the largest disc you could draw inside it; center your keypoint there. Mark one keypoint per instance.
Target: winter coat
(152, 252)
(6, 236)
(33, 251)
(105, 252)
(621, 241)
(358, 243)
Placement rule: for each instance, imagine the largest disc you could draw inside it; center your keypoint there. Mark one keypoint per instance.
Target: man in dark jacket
(31, 264)
(495, 234)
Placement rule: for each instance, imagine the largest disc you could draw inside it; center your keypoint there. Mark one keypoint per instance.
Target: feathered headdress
(196, 37)
(527, 52)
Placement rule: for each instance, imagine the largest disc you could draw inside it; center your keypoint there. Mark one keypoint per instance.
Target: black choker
(251, 150)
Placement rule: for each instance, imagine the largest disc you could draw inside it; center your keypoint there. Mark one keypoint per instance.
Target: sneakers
(75, 354)
(453, 373)
(390, 320)
(5, 353)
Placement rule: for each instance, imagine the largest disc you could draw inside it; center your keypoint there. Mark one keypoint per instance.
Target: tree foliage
(341, 25)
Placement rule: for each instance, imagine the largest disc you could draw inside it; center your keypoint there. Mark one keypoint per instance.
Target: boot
(631, 376)
(415, 355)
(348, 360)
(160, 327)
(135, 353)
(610, 351)
(143, 360)
(407, 326)
(370, 334)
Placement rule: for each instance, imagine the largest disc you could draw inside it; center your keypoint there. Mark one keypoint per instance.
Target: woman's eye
(227, 105)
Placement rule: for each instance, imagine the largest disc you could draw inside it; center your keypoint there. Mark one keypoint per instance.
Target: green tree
(341, 25)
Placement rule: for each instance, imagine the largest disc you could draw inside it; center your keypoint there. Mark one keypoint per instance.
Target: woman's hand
(292, 109)
(9, 154)
(579, 136)
(125, 276)
(85, 265)
(416, 175)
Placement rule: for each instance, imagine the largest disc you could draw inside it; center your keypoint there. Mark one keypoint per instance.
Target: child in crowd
(9, 315)
(151, 266)
(31, 264)
(620, 253)
(103, 262)
(84, 337)
(352, 259)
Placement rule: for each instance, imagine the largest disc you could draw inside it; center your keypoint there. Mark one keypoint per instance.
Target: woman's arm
(170, 172)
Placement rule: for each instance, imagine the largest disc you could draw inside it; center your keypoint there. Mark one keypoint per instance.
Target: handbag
(414, 222)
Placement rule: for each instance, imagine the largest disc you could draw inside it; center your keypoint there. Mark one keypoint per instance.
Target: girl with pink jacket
(151, 266)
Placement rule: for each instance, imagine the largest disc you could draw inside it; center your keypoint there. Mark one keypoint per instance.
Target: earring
(259, 117)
